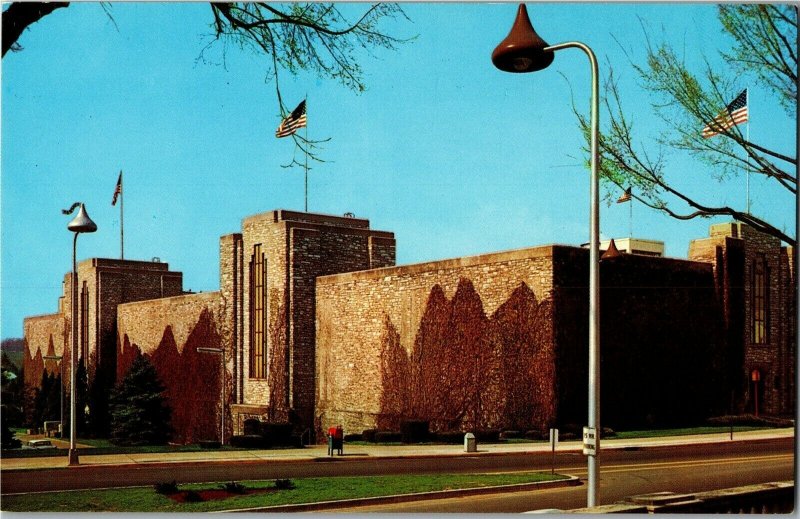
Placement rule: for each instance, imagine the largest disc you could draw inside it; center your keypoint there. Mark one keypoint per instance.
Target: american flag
(293, 122)
(735, 113)
(626, 196)
(117, 190)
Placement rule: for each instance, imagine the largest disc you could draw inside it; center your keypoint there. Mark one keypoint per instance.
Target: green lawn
(307, 490)
(685, 431)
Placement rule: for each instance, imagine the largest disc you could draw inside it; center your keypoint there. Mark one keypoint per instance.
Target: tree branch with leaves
(295, 37)
(765, 39)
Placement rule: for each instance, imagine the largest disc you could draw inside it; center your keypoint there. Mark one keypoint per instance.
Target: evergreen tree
(6, 434)
(139, 413)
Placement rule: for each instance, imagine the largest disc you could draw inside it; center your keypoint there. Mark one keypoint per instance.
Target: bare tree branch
(19, 16)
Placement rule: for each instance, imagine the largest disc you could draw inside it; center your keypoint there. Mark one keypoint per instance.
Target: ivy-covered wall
(169, 331)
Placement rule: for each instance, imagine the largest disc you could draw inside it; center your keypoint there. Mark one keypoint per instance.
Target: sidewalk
(320, 452)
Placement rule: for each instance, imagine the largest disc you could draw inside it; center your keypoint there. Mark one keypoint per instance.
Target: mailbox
(335, 440)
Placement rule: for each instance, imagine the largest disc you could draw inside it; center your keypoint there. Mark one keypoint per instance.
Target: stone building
(320, 328)
(103, 284)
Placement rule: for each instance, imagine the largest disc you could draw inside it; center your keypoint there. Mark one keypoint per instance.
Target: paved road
(620, 479)
(369, 462)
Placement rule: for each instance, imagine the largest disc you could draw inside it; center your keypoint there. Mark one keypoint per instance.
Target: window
(258, 314)
(760, 309)
(84, 324)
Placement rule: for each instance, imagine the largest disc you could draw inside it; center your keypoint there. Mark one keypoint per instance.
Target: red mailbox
(335, 440)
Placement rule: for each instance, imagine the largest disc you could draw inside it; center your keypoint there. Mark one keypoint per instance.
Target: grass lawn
(307, 490)
(685, 431)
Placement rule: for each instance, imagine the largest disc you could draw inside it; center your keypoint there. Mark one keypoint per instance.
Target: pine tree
(139, 413)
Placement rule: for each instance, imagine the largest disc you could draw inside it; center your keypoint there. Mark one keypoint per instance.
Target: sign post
(589, 441)
(553, 445)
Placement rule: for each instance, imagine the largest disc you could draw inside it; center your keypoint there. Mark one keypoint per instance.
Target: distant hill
(14, 349)
(9, 345)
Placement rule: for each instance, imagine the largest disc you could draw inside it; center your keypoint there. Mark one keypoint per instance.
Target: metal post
(593, 497)
(222, 399)
(73, 451)
(60, 360)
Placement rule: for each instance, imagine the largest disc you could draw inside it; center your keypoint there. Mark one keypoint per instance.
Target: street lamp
(222, 391)
(524, 51)
(81, 223)
(58, 358)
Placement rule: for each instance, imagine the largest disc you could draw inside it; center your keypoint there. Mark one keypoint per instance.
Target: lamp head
(522, 50)
(82, 222)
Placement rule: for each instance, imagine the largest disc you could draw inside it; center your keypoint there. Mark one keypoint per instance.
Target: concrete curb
(571, 449)
(402, 498)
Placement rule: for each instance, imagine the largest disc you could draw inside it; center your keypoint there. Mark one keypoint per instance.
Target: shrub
(234, 488)
(369, 435)
(510, 434)
(169, 487)
(192, 497)
(414, 431)
(139, 412)
(210, 444)
(537, 435)
(449, 437)
(252, 426)
(487, 435)
(277, 433)
(284, 484)
(387, 437)
(249, 441)
(354, 437)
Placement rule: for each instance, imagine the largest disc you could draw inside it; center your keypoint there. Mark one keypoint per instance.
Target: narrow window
(258, 314)
(760, 312)
(84, 324)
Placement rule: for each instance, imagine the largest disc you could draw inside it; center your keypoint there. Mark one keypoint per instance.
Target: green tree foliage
(12, 399)
(139, 413)
(47, 400)
(765, 45)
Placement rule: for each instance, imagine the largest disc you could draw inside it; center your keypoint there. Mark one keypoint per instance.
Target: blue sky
(454, 156)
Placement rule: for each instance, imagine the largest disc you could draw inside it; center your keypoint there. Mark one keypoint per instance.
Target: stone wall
(463, 343)
(298, 247)
(168, 331)
(45, 335)
(662, 343)
(736, 248)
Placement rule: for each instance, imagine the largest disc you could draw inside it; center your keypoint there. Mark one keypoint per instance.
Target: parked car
(39, 444)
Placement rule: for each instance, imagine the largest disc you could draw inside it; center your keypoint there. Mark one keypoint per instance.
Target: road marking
(662, 464)
(684, 464)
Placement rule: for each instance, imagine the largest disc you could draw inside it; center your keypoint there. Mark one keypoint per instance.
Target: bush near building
(139, 414)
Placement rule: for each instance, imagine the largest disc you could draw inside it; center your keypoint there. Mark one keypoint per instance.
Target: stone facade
(103, 284)
(319, 328)
(296, 248)
(499, 341)
(762, 369)
(169, 332)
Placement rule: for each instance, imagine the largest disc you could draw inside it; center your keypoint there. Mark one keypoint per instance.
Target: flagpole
(630, 218)
(121, 222)
(747, 164)
(306, 150)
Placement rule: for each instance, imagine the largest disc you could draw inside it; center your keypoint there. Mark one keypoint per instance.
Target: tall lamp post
(58, 358)
(219, 351)
(525, 51)
(80, 224)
